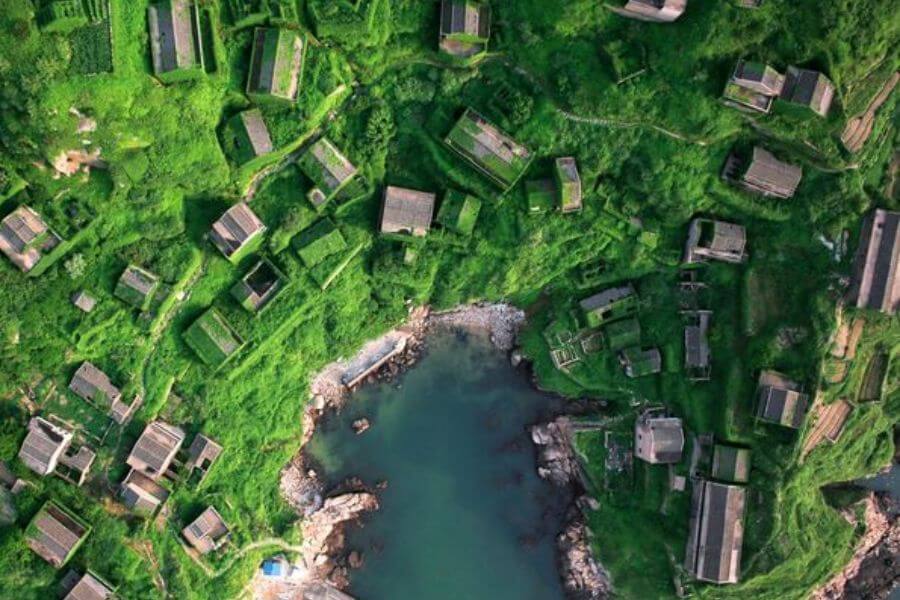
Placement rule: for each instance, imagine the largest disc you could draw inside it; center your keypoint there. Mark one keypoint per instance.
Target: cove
(464, 514)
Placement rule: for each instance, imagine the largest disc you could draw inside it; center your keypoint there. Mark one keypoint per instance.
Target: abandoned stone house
(407, 211)
(55, 533)
(90, 587)
(202, 453)
(716, 240)
(258, 286)
(658, 439)
(23, 236)
(137, 287)
(780, 400)
(609, 304)
(876, 273)
(94, 385)
(808, 88)
(253, 137)
(84, 301)
(276, 64)
(491, 151)
(141, 494)
(236, 229)
(697, 355)
(328, 169)
(46, 450)
(660, 11)
(731, 464)
(44, 445)
(753, 86)
(568, 180)
(208, 532)
(715, 532)
(465, 27)
(638, 362)
(176, 43)
(756, 86)
(155, 449)
(763, 173)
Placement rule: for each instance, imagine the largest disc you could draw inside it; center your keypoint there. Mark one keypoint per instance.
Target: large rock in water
(323, 538)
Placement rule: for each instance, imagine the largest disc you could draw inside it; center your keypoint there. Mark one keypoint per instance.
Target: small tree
(75, 266)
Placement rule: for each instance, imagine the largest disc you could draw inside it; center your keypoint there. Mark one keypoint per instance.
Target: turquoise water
(886, 482)
(464, 515)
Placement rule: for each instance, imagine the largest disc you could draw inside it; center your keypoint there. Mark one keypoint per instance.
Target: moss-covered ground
(649, 150)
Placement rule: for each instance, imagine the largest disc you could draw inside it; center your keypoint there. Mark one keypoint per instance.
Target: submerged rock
(361, 425)
(355, 559)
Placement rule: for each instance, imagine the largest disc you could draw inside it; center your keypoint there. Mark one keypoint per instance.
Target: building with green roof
(491, 151)
(276, 65)
(137, 286)
(328, 169)
(61, 16)
(459, 212)
(565, 173)
(55, 533)
(609, 304)
(318, 242)
(540, 195)
(638, 362)
(622, 334)
(212, 338)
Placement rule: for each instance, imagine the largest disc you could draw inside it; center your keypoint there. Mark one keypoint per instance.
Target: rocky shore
(874, 569)
(327, 515)
(583, 577)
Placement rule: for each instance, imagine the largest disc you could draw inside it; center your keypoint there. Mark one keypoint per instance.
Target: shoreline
(328, 512)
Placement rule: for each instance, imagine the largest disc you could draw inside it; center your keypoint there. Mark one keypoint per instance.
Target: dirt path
(236, 556)
(613, 123)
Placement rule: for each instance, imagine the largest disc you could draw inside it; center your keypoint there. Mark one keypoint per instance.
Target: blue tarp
(273, 568)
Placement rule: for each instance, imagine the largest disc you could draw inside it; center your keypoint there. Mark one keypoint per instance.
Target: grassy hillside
(650, 151)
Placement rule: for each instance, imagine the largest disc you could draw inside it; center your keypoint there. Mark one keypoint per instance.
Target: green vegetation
(649, 150)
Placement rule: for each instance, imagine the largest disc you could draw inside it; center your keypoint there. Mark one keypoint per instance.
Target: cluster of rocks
(325, 519)
(502, 322)
(583, 577)
(874, 570)
(400, 362)
(323, 535)
(557, 462)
